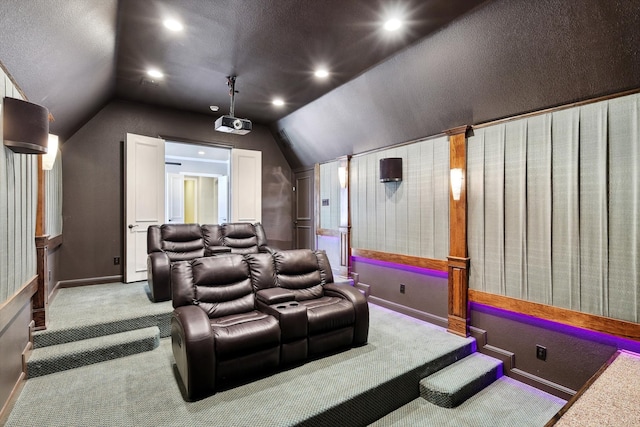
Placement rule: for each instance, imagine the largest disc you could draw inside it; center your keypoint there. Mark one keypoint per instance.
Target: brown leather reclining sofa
(238, 316)
(169, 243)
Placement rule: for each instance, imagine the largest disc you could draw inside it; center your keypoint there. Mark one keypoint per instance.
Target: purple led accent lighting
(410, 268)
(587, 334)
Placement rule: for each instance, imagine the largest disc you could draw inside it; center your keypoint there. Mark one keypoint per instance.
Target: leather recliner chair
(337, 315)
(216, 332)
(169, 243)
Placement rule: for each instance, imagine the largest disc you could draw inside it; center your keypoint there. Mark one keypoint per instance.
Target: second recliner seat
(337, 315)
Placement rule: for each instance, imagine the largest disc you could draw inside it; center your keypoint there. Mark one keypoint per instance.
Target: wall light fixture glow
(393, 24)
(173, 25)
(342, 176)
(155, 73)
(457, 180)
(321, 73)
(49, 158)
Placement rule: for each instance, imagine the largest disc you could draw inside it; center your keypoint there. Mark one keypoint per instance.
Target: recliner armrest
(360, 306)
(159, 276)
(275, 295)
(192, 342)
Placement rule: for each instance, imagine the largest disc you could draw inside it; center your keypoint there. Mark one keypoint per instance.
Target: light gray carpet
(141, 390)
(505, 403)
(92, 311)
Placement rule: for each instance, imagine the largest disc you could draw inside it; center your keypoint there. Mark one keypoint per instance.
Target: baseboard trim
(74, 283)
(365, 289)
(13, 397)
(88, 281)
(421, 315)
(509, 360)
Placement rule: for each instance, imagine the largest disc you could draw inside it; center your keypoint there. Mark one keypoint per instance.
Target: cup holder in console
(286, 305)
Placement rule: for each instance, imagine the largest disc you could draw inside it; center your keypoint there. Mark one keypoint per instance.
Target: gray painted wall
(503, 59)
(93, 184)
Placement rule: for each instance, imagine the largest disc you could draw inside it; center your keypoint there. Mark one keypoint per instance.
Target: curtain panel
(553, 204)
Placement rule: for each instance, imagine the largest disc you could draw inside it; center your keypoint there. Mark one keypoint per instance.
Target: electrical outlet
(541, 352)
(402, 288)
(116, 260)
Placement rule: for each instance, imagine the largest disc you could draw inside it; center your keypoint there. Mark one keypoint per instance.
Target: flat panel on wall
(515, 199)
(329, 196)
(475, 208)
(566, 209)
(53, 196)
(624, 206)
(246, 185)
(593, 209)
(539, 209)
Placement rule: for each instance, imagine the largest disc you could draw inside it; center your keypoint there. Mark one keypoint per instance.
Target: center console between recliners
(241, 315)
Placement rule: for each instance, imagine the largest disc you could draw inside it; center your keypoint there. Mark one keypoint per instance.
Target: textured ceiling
(62, 55)
(272, 46)
(72, 56)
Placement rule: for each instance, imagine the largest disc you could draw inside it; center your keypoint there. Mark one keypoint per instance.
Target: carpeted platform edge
(51, 337)
(375, 403)
(445, 388)
(73, 355)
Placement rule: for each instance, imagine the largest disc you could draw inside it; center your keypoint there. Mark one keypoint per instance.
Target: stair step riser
(54, 337)
(451, 400)
(446, 390)
(65, 359)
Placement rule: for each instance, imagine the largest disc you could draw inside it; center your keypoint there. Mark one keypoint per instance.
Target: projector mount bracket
(231, 82)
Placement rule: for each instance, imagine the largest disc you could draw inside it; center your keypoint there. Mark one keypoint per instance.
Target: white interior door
(246, 185)
(175, 198)
(144, 199)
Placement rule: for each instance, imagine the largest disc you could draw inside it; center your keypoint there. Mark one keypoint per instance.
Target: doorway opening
(197, 183)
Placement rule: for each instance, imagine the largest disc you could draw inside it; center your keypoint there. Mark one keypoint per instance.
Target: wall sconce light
(342, 176)
(26, 126)
(457, 179)
(49, 158)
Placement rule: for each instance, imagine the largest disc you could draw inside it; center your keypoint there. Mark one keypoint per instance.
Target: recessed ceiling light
(278, 102)
(173, 25)
(214, 107)
(321, 73)
(393, 24)
(201, 152)
(155, 73)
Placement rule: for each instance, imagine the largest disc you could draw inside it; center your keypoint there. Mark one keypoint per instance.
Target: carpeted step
(56, 336)
(56, 358)
(454, 384)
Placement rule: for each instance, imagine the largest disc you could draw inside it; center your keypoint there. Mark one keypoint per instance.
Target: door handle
(132, 226)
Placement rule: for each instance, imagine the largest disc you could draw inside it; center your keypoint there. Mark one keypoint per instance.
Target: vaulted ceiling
(73, 56)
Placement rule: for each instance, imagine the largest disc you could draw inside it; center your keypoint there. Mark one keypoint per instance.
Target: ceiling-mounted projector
(230, 123)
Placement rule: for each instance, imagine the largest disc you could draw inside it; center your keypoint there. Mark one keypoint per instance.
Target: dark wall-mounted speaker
(391, 169)
(25, 126)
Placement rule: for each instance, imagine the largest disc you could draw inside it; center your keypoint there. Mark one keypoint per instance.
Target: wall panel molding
(593, 322)
(429, 263)
(12, 306)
